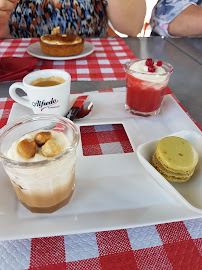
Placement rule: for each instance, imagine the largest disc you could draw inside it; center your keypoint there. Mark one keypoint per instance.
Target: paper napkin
(15, 68)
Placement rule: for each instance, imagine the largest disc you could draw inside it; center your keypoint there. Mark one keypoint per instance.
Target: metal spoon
(85, 110)
(77, 113)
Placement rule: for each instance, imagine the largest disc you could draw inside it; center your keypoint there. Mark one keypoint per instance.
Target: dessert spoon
(76, 113)
(85, 110)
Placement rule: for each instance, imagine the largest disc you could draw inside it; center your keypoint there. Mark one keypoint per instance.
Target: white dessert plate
(190, 192)
(35, 50)
(112, 191)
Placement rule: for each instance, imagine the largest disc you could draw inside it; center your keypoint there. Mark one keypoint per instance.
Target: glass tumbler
(47, 185)
(145, 90)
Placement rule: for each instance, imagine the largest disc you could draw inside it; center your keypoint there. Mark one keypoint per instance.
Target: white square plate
(112, 191)
(190, 192)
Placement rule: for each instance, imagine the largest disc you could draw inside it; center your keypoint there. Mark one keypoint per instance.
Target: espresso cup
(47, 90)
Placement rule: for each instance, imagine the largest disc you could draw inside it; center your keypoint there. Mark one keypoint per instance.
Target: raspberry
(159, 63)
(151, 69)
(149, 62)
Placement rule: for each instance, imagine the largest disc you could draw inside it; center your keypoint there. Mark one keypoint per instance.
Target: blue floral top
(165, 11)
(38, 17)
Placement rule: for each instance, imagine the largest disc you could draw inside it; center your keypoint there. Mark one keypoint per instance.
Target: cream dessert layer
(61, 39)
(141, 72)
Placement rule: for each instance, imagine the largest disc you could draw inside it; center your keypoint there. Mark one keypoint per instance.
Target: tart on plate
(58, 44)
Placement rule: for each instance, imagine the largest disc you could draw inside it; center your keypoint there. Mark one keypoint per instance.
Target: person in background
(177, 18)
(88, 18)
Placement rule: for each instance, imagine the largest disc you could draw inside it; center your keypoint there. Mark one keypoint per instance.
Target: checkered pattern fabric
(5, 108)
(104, 139)
(176, 246)
(105, 63)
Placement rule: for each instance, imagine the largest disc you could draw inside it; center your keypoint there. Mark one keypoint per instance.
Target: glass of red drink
(146, 83)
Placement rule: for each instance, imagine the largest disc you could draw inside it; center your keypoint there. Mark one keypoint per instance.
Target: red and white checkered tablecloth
(176, 245)
(105, 63)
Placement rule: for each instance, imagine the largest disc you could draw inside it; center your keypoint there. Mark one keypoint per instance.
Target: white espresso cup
(44, 99)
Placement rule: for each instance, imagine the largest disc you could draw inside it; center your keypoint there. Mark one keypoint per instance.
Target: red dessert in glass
(146, 85)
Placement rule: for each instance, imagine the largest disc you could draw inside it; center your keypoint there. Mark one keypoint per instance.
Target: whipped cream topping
(59, 138)
(140, 71)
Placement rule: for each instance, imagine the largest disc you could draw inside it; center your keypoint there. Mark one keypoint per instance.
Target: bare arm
(127, 16)
(187, 23)
(6, 6)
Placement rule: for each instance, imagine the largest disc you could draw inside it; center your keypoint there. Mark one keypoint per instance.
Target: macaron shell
(176, 154)
(169, 175)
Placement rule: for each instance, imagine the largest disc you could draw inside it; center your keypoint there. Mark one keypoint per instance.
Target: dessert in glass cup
(146, 83)
(39, 158)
